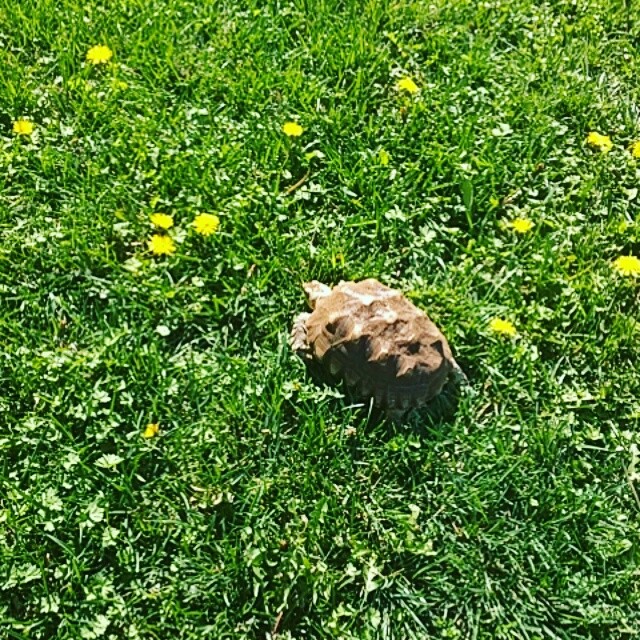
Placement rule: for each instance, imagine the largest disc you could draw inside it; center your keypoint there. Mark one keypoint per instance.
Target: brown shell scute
(381, 344)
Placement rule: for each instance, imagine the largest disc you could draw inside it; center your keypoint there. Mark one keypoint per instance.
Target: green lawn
(264, 502)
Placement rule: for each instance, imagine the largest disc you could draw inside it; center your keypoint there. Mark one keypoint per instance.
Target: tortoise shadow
(442, 408)
(436, 417)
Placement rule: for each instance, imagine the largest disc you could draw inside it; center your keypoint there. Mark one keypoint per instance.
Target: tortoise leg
(459, 376)
(458, 383)
(298, 337)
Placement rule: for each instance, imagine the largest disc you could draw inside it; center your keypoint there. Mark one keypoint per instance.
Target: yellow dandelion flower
(151, 430)
(292, 129)
(627, 265)
(161, 220)
(635, 149)
(597, 140)
(161, 245)
(100, 54)
(206, 224)
(23, 127)
(503, 327)
(521, 225)
(407, 84)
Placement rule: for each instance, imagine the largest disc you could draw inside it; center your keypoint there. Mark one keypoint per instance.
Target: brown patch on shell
(379, 343)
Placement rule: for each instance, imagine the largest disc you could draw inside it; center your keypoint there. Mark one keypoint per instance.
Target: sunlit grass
(169, 469)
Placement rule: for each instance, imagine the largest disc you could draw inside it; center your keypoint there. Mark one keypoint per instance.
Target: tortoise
(377, 341)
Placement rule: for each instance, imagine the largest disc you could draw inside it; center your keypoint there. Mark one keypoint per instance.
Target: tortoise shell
(377, 341)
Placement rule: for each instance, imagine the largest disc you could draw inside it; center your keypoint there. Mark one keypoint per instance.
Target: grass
(267, 503)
